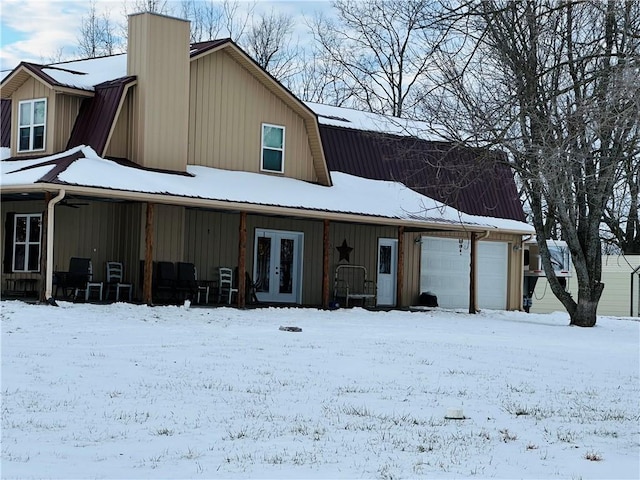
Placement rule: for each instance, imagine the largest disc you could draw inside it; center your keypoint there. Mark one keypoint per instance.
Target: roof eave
(252, 208)
(24, 71)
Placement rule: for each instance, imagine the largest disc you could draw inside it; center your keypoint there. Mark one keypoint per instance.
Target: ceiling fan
(71, 203)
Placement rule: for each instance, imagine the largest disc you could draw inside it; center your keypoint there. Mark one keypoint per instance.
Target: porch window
(26, 242)
(272, 148)
(32, 116)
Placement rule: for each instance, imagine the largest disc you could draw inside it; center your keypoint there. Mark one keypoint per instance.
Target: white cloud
(43, 28)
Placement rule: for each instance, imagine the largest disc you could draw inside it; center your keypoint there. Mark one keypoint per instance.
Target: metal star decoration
(344, 250)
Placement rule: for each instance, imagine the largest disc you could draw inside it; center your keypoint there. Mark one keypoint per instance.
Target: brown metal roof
(470, 180)
(5, 125)
(97, 115)
(198, 48)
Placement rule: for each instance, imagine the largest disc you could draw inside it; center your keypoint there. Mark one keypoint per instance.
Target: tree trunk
(584, 314)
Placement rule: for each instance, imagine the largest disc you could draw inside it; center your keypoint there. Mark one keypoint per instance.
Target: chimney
(158, 54)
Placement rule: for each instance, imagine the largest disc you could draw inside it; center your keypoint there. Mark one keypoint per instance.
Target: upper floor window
(272, 148)
(26, 242)
(32, 116)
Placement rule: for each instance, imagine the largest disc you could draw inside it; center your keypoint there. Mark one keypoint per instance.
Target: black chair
(187, 281)
(75, 279)
(165, 281)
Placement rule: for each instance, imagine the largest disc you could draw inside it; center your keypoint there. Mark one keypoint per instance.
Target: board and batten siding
(616, 296)
(32, 89)
(66, 113)
(168, 233)
(227, 108)
(311, 250)
(19, 208)
(211, 241)
(158, 55)
(121, 143)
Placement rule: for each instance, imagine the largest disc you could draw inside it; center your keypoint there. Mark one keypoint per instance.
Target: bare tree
(269, 42)
(321, 80)
(555, 84)
(155, 6)
(97, 35)
(212, 19)
(383, 47)
(622, 225)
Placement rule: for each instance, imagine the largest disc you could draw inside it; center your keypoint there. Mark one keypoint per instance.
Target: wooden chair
(115, 280)
(225, 285)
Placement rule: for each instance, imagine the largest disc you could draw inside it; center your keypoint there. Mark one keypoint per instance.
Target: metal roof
(5, 126)
(475, 181)
(98, 114)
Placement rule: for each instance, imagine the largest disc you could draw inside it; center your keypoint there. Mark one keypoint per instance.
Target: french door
(277, 270)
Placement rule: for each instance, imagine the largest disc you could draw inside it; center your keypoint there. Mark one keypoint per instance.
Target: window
(32, 116)
(26, 242)
(272, 148)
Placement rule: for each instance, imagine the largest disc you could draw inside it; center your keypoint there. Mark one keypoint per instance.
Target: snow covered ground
(127, 391)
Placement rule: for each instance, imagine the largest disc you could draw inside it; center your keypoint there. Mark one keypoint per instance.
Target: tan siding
(312, 251)
(364, 241)
(107, 232)
(211, 241)
(616, 297)
(158, 54)
(168, 229)
(129, 252)
(227, 108)
(119, 145)
(16, 207)
(99, 237)
(67, 108)
(32, 89)
(411, 278)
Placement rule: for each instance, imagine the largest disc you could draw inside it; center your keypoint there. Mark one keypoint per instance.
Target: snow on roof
(85, 74)
(349, 194)
(372, 122)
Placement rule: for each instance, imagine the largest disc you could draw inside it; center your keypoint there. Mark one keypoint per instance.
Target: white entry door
(387, 271)
(277, 269)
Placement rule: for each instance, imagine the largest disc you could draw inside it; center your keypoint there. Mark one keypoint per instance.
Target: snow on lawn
(128, 391)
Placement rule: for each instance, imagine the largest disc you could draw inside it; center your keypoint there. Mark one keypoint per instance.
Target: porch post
(325, 264)
(147, 293)
(473, 303)
(242, 255)
(400, 274)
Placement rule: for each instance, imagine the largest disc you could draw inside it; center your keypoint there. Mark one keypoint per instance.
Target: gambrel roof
(363, 144)
(477, 181)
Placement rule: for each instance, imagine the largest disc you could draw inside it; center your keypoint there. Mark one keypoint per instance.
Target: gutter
(255, 208)
(50, 225)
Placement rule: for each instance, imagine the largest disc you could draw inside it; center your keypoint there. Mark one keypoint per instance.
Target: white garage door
(444, 271)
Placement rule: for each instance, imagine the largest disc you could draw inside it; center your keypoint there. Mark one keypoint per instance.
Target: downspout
(50, 222)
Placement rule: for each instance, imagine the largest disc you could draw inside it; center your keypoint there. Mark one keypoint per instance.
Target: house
(180, 152)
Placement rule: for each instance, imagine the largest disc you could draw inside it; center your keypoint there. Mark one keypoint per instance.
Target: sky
(130, 391)
(43, 30)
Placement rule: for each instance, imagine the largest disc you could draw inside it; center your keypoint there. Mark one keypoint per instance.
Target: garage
(445, 269)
